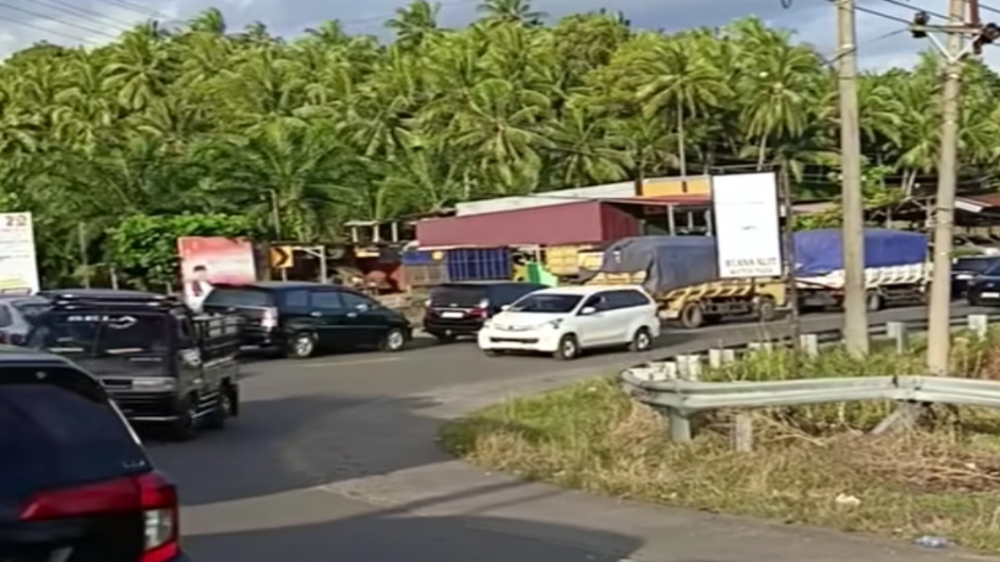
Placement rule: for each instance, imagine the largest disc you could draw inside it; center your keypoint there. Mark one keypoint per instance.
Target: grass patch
(942, 479)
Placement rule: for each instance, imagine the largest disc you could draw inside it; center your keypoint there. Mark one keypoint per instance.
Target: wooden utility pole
(853, 247)
(939, 313)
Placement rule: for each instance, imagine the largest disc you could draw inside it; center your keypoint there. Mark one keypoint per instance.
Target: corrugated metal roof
(984, 201)
(664, 200)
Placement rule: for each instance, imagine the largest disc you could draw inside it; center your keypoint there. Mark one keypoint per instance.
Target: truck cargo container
(576, 222)
(896, 268)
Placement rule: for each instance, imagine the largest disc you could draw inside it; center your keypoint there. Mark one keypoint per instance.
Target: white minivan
(564, 321)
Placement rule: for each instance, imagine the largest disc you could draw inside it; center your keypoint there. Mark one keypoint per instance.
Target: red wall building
(578, 222)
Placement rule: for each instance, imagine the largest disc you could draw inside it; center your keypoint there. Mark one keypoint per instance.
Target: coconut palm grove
(207, 130)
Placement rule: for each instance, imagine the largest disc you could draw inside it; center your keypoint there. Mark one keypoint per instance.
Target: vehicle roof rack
(104, 298)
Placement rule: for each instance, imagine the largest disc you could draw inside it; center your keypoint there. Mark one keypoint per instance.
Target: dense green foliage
(302, 134)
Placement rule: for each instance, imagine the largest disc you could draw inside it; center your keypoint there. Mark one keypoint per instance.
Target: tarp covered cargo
(670, 262)
(819, 252)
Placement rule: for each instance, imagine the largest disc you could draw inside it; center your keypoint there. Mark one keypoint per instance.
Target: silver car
(16, 314)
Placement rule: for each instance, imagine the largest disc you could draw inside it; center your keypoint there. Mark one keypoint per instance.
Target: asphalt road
(261, 489)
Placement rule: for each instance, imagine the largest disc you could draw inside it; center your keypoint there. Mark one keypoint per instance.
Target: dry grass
(943, 479)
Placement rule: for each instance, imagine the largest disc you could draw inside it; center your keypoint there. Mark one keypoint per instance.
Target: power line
(147, 12)
(50, 18)
(49, 31)
(84, 13)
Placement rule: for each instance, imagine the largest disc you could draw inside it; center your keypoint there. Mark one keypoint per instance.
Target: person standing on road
(196, 290)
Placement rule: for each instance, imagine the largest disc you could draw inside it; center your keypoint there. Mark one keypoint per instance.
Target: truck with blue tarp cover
(896, 267)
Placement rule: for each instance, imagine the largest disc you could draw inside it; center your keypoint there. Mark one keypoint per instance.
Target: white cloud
(97, 21)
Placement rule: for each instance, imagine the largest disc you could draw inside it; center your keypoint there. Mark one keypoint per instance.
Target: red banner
(217, 260)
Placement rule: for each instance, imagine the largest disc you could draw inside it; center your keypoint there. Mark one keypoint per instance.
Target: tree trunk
(681, 141)
(762, 153)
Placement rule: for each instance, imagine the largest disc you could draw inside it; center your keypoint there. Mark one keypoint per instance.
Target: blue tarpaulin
(670, 262)
(818, 252)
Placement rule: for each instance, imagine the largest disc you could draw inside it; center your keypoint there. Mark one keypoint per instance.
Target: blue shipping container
(420, 257)
(479, 264)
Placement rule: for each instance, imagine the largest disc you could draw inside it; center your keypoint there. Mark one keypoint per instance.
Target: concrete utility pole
(939, 324)
(855, 313)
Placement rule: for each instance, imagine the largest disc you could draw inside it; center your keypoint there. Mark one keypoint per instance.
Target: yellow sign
(281, 257)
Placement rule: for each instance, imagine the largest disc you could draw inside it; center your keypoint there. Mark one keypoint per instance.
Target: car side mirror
(505, 307)
(587, 311)
(363, 307)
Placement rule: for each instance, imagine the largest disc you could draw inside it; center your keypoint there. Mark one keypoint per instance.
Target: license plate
(991, 295)
(452, 314)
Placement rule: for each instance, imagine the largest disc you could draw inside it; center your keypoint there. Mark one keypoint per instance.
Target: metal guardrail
(680, 395)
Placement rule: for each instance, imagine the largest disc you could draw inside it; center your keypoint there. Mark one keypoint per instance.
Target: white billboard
(18, 265)
(746, 225)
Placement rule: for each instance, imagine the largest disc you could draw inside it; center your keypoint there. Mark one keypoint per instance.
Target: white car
(564, 321)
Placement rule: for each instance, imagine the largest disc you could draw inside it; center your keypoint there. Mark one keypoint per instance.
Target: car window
(57, 428)
(993, 270)
(598, 301)
(325, 300)
(636, 298)
(102, 334)
(550, 303)
(620, 299)
(6, 318)
(458, 295)
(30, 309)
(229, 296)
(297, 299)
(354, 300)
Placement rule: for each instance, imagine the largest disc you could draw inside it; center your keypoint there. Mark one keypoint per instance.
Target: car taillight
(270, 319)
(151, 494)
(480, 310)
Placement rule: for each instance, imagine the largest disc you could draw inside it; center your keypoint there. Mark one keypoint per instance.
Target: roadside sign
(281, 257)
(18, 263)
(746, 225)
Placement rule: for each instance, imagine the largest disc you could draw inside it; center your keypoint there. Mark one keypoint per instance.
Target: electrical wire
(83, 13)
(54, 32)
(56, 20)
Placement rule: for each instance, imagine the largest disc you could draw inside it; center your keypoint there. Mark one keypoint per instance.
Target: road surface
(333, 459)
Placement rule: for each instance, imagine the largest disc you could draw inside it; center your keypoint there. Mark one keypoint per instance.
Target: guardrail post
(715, 358)
(689, 367)
(979, 324)
(760, 346)
(680, 427)
(743, 432)
(668, 372)
(897, 331)
(809, 344)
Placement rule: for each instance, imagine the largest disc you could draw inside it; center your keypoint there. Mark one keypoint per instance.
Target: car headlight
(550, 325)
(154, 384)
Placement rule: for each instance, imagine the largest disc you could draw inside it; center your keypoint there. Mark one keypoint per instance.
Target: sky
(882, 41)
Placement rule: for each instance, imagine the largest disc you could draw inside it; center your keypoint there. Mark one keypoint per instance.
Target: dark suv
(77, 485)
(299, 318)
(460, 309)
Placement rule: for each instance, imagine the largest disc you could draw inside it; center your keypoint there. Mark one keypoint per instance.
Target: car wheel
(642, 340)
(302, 346)
(569, 348)
(766, 309)
(217, 419)
(394, 340)
(692, 316)
(185, 427)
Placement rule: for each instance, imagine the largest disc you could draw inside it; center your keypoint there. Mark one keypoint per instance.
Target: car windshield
(94, 334)
(552, 303)
(975, 265)
(993, 270)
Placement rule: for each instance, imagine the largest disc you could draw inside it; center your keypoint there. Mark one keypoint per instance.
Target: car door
(364, 318)
(621, 311)
(596, 328)
(331, 318)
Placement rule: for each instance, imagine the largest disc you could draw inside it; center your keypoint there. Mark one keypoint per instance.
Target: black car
(984, 288)
(300, 319)
(163, 365)
(964, 269)
(16, 316)
(460, 309)
(77, 485)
